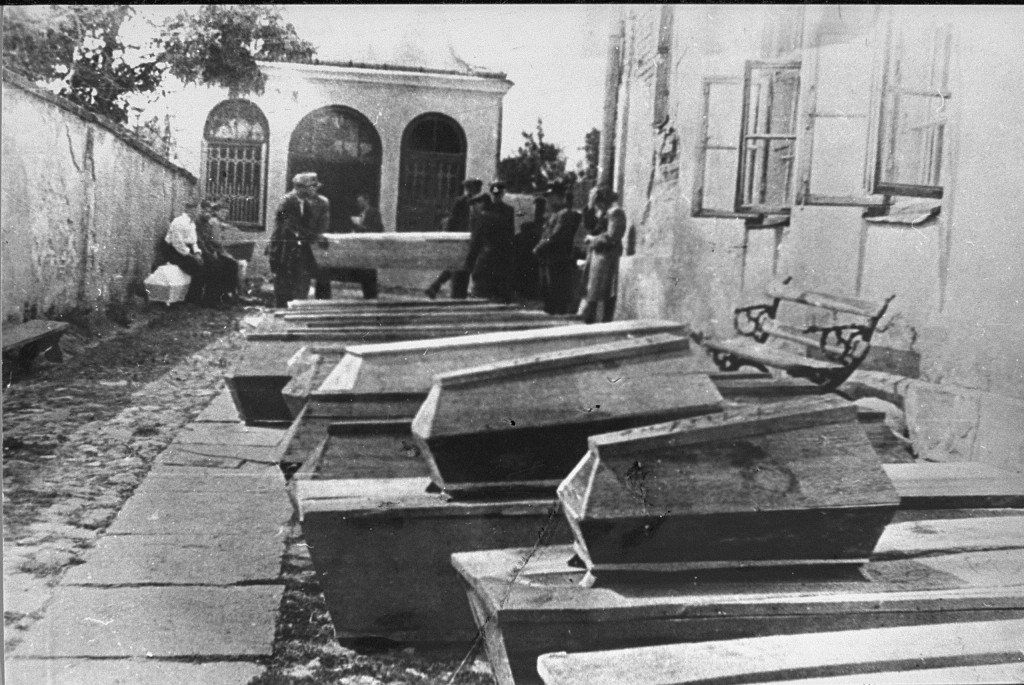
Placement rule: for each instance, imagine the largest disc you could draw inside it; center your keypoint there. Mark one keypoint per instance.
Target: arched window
(235, 138)
(341, 145)
(432, 169)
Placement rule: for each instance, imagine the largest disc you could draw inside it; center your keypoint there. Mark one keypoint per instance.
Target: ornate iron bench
(834, 350)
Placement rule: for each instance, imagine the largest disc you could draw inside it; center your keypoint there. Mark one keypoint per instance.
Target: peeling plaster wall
(958, 278)
(82, 210)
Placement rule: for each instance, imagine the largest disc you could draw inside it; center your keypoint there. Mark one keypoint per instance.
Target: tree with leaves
(587, 169)
(534, 165)
(219, 45)
(77, 50)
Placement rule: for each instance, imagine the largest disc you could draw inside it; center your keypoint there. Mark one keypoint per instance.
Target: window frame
(887, 112)
(703, 145)
(741, 175)
(210, 143)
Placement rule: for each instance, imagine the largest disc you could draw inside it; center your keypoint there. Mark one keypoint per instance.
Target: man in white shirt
(181, 248)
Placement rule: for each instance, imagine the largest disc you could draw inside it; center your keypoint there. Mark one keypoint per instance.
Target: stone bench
(832, 351)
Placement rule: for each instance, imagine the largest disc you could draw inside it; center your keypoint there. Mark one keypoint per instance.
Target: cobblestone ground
(79, 436)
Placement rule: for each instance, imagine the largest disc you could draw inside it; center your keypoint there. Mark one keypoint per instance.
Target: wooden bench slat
(792, 334)
(837, 303)
(747, 348)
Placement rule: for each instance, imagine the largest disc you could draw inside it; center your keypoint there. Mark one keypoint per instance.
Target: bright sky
(555, 54)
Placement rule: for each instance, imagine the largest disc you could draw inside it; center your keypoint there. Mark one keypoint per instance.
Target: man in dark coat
(526, 278)
(301, 219)
(555, 252)
(459, 220)
(490, 247)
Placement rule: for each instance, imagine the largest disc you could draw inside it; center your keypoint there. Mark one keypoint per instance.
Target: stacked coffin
(260, 383)
(792, 482)
(372, 493)
(391, 380)
(525, 422)
(763, 519)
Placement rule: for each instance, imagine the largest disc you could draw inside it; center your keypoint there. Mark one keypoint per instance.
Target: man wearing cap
(490, 247)
(555, 252)
(181, 248)
(301, 219)
(460, 218)
(604, 249)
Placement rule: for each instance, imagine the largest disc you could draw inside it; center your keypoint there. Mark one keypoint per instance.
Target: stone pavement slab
(221, 410)
(128, 672)
(261, 453)
(172, 621)
(24, 593)
(179, 560)
(228, 434)
(245, 467)
(203, 513)
(268, 479)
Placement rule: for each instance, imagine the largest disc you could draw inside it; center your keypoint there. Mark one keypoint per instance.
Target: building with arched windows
(406, 136)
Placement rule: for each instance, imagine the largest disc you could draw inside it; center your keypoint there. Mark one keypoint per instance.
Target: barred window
(235, 141)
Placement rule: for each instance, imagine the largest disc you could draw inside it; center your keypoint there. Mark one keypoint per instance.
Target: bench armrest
(750, 321)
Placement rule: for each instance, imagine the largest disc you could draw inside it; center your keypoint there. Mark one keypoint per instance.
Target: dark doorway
(343, 148)
(432, 170)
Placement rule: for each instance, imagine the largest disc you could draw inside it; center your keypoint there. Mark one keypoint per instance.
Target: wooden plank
(431, 251)
(525, 423)
(995, 673)
(542, 606)
(838, 303)
(927, 485)
(618, 351)
(747, 348)
(733, 424)
(370, 334)
(366, 449)
(385, 303)
(420, 316)
(785, 657)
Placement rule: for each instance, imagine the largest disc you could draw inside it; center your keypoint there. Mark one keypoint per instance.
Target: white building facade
(406, 137)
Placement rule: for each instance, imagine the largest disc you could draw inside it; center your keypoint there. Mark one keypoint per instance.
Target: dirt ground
(79, 436)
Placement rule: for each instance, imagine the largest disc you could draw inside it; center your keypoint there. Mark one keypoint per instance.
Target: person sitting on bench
(181, 248)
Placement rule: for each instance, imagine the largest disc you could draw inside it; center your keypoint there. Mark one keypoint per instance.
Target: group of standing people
(539, 261)
(301, 220)
(194, 244)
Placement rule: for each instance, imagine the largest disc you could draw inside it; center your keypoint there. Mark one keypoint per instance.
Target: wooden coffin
(785, 483)
(430, 251)
(391, 380)
(386, 302)
(531, 601)
(381, 537)
(524, 423)
(421, 316)
(940, 653)
(383, 334)
(257, 380)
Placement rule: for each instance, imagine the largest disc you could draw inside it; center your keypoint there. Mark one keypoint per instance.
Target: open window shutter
(717, 149)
